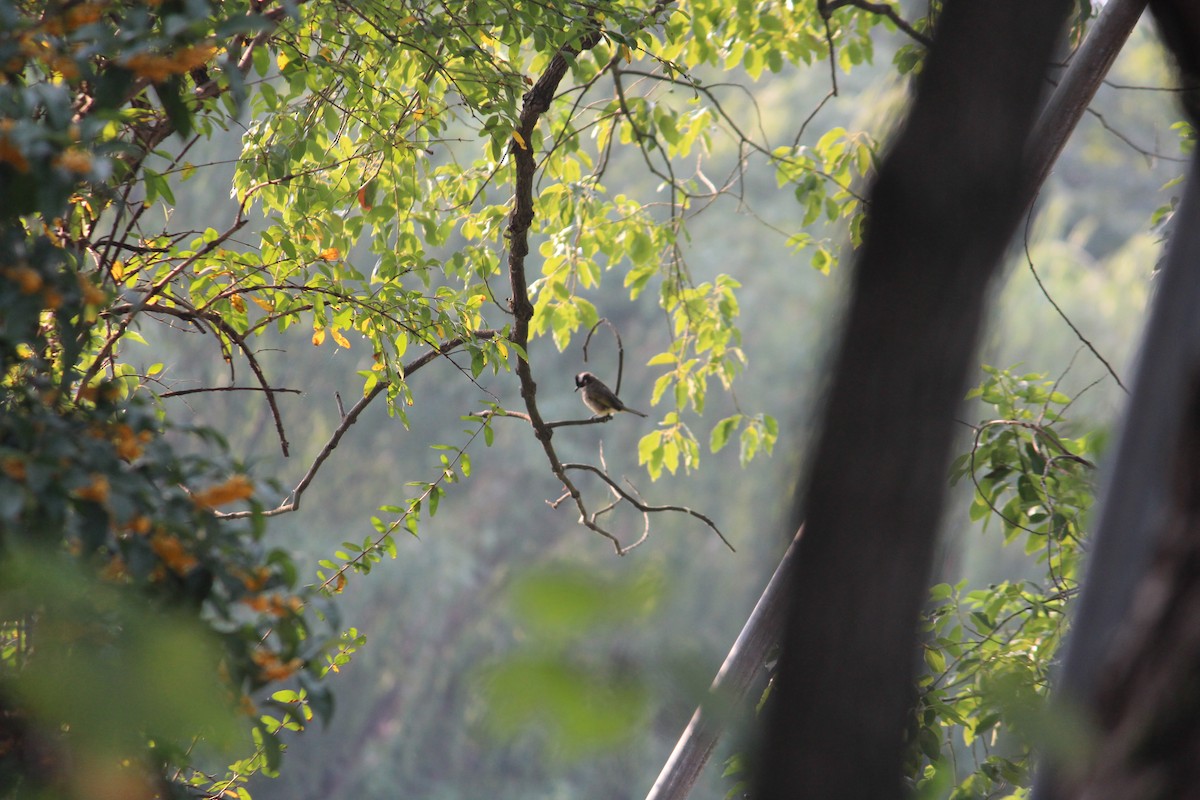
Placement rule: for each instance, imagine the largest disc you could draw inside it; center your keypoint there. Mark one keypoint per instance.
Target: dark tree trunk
(947, 200)
(1133, 659)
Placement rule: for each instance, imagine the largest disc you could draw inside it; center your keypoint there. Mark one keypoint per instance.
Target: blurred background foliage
(504, 652)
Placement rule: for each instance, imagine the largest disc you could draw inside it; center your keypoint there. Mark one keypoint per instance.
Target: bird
(602, 401)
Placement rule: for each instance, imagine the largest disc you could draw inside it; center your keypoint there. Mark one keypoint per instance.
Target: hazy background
(413, 717)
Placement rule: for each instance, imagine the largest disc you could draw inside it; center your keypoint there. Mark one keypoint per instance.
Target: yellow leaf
(118, 270)
(282, 61)
(238, 303)
(520, 140)
(330, 254)
(627, 53)
(263, 304)
(337, 337)
(318, 335)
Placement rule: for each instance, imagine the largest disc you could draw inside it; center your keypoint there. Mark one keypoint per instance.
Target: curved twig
(1078, 334)
(620, 348)
(645, 508)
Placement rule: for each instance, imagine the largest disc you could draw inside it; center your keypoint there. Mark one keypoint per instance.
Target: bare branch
(645, 507)
(1078, 334)
(350, 417)
(620, 349)
(182, 392)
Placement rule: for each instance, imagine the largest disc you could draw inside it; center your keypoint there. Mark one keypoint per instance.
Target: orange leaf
(337, 337)
(330, 254)
(318, 335)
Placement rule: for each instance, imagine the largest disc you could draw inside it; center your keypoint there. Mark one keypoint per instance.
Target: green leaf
(170, 94)
(723, 430)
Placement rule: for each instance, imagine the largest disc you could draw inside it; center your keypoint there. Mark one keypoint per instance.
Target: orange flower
(173, 553)
(96, 491)
(9, 151)
(76, 160)
(272, 668)
(84, 14)
(13, 467)
(130, 445)
(93, 295)
(64, 66)
(115, 569)
(276, 604)
(150, 65)
(12, 154)
(237, 487)
(158, 67)
(28, 279)
(195, 56)
(258, 580)
(256, 602)
(139, 524)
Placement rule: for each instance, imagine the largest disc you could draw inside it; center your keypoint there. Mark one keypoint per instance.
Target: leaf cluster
(988, 650)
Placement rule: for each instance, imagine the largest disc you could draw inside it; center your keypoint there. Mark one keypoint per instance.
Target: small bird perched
(599, 398)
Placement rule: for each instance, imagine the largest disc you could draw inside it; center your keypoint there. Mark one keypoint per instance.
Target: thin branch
(218, 323)
(620, 349)
(825, 11)
(350, 417)
(151, 293)
(1061, 313)
(1149, 155)
(645, 507)
(182, 392)
(883, 9)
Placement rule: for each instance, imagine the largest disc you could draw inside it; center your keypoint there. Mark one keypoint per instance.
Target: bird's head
(583, 379)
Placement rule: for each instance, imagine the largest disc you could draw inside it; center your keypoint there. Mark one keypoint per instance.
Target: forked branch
(535, 103)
